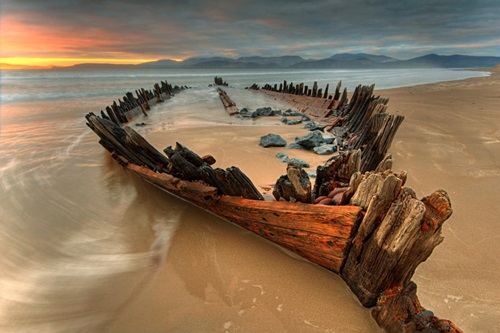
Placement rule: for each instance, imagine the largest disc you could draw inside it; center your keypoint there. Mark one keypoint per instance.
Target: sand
(450, 139)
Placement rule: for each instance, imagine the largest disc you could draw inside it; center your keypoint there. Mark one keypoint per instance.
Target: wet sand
(450, 139)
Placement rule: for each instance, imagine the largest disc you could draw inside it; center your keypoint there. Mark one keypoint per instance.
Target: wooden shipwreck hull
(373, 232)
(319, 233)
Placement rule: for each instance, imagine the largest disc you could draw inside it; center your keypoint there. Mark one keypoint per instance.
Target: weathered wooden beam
(385, 256)
(337, 91)
(228, 103)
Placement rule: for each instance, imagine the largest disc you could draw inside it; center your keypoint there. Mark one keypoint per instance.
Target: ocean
(84, 247)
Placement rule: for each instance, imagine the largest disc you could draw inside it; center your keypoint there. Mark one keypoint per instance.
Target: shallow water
(85, 247)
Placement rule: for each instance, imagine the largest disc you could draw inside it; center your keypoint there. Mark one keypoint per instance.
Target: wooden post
(385, 256)
(326, 91)
(337, 91)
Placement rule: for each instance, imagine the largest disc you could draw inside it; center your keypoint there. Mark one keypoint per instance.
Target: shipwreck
(358, 219)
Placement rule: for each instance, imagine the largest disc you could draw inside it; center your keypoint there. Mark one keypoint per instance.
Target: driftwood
(228, 103)
(375, 236)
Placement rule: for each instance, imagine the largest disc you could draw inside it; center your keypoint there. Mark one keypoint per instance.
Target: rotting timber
(373, 232)
(228, 103)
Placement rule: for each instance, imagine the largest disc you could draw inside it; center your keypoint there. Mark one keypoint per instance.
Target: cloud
(316, 28)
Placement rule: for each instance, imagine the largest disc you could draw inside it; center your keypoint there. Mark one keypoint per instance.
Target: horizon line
(21, 63)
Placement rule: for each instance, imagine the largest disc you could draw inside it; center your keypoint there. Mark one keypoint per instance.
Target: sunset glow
(63, 62)
(63, 33)
(25, 44)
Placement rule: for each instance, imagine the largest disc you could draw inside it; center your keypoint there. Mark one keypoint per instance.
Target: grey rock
(293, 122)
(272, 140)
(325, 149)
(292, 113)
(310, 126)
(266, 112)
(294, 145)
(310, 140)
(298, 162)
(328, 139)
(284, 120)
(277, 113)
(339, 131)
(311, 173)
(282, 157)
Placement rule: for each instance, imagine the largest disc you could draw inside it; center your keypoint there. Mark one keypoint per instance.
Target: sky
(66, 32)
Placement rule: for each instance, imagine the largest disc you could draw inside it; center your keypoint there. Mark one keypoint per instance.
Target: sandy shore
(450, 139)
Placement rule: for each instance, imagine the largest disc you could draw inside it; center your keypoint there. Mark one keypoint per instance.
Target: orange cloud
(23, 43)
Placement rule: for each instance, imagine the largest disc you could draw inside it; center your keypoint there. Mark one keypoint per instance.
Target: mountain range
(337, 61)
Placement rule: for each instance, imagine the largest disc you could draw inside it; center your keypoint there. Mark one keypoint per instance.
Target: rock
(209, 159)
(310, 126)
(326, 201)
(311, 174)
(319, 199)
(276, 113)
(328, 139)
(140, 124)
(292, 113)
(293, 122)
(298, 162)
(284, 120)
(339, 132)
(245, 113)
(305, 118)
(294, 186)
(272, 140)
(266, 112)
(294, 145)
(282, 157)
(310, 140)
(325, 149)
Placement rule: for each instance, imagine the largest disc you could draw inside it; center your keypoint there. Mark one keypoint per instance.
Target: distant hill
(330, 63)
(452, 61)
(229, 64)
(358, 56)
(4, 66)
(96, 66)
(160, 64)
(337, 61)
(283, 61)
(363, 60)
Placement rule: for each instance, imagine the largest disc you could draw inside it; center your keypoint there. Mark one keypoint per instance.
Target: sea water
(84, 247)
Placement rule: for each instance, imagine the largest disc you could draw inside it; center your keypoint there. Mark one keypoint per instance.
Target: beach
(449, 140)
(89, 247)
